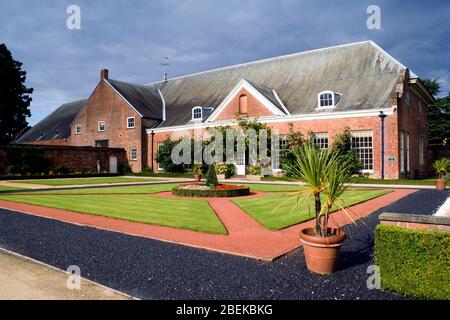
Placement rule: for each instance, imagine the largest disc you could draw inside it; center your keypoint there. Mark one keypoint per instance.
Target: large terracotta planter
(440, 184)
(322, 253)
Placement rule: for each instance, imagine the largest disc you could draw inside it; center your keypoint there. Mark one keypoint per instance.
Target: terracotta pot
(322, 253)
(198, 177)
(440, 184)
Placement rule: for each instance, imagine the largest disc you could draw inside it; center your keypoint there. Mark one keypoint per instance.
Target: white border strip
(277, 119)
(444, 210)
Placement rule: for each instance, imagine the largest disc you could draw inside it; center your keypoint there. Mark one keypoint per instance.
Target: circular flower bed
(204, 190)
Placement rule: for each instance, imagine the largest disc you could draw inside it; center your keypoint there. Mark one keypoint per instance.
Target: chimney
(104, 74)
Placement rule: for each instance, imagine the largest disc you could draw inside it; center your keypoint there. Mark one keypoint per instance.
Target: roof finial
(165, 64)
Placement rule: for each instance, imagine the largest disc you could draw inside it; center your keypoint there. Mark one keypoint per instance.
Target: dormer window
(327, 99)
(197, 113)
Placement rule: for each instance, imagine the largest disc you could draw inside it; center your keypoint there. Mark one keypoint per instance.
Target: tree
(211, 177)
(164, 156)
(438, 116)
(14, 97)
(342, 145)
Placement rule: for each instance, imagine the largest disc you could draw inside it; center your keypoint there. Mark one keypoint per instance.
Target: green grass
(82, 181)
(136, 189)
(427, 182)
(8, 188)
(278, 211)
(272, 187)
(188, 214)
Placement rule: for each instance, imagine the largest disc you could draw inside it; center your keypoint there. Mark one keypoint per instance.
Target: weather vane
(166, 64)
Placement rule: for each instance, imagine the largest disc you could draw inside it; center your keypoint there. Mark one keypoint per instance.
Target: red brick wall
(332, 127)
(413, 120)
(76, 158)
(254, 107)
(106, 105)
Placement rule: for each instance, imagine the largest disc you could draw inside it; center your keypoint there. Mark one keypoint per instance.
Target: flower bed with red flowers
(200, 189)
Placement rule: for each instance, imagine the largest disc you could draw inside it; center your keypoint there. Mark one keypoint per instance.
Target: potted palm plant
(326, 177)
(441, 167)
(197, 171)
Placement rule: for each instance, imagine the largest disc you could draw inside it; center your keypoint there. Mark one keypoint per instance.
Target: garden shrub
(27, 160)
(211, 177)
(211, 193)
(254, 170)
(164, 156)
(227, 169)
(413, 262)
(342, 144)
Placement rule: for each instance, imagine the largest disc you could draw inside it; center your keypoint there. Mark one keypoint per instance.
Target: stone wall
(416, 221)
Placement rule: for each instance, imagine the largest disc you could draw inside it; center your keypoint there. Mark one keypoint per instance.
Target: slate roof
(362, 72)
(146, 101)
(56, 125)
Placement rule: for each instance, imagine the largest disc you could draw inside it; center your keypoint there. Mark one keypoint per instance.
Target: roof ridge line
(261, 61)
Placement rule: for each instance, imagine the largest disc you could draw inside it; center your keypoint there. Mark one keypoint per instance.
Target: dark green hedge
(211, 193)
(413, 262)
(60, 176)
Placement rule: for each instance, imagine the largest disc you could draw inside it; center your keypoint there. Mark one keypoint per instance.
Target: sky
(132, 37)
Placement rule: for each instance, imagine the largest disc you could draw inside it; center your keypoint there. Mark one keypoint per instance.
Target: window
(196, 113)
(101, 126)
(362, 144)
(320, 140)
(102, 143)
(404, 152)
(133, 154)
(78, 129)
(131, 122)
(328, 99)
(421, 152)
(158, 146)
(243, 104)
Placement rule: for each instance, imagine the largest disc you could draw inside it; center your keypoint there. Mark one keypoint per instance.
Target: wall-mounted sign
(391, 159)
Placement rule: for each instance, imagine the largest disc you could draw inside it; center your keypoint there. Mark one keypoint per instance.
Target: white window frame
(402, 152)
(158, 166)
(421, 151)
(318, 136)
(104, 126)
(362, 134)
(319, 106)
(282, 142)
(133, 150)
(128, 123)
(193, 113)
(408, 156)
(78, 129)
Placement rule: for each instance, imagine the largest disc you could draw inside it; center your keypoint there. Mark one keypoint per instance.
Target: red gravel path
(246, 236)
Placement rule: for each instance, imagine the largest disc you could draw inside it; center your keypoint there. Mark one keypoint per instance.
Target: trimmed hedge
(61, 176)
(211, 193)
(413, 262)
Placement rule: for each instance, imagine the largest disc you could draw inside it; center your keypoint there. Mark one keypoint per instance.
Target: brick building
(320, 91)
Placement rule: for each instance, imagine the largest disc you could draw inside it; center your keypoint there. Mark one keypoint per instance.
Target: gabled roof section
(264, 95)
(363, 72)
(56, 125)
(145, 100)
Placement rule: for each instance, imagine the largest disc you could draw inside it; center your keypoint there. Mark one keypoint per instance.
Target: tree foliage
(164, 156)
(438, 116)
(342, 145)
(14, 97)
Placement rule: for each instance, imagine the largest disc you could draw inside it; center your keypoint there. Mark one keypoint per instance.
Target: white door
(240, 163)
(112, 164)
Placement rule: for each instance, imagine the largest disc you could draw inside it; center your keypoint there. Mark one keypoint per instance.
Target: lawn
(84, 181)
(8, 188)
(188, 214)
(278, 211)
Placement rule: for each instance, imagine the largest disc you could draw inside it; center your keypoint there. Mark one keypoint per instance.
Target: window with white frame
(101, 126)
(404, 152)
(283, 144)
(197, 113)
(362, 144)
(320, 139)
(421, 151)
(158, 146)
(133, 154)
(131, 122)
(78, 129)
(327, 99)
